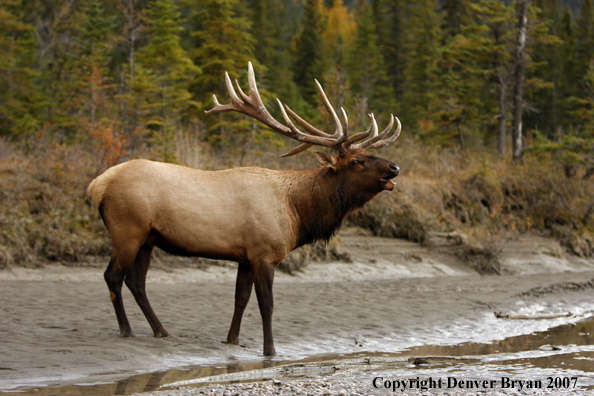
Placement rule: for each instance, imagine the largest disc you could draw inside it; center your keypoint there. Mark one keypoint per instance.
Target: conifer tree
(20, 97)
(130, 88)
(366, 68)
(309, 51)
(89, 72)
(58, 63)
(457, 102)
(221, 42)
(585, 33)
(585, 43)
(567, 86)
(548, 56)
(170, 70)
(340, 32)
(272, 30)
(423, 40)
(457, 14)
(533, 33)
(393, 43)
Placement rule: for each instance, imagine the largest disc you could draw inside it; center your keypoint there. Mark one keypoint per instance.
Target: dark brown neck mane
(321, 200)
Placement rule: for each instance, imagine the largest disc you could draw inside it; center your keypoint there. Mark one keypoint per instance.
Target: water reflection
(511, 350)
(581, 333)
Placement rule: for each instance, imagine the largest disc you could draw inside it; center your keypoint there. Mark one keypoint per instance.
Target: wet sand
(58, 325)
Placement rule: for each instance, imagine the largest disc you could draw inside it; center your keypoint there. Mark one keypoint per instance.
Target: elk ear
(326, 160)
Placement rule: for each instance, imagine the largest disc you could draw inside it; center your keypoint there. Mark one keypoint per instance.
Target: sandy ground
(58, 327)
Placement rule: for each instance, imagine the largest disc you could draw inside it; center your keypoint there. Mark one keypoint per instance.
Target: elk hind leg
(114, 277)
(243, 290)
(136, 282)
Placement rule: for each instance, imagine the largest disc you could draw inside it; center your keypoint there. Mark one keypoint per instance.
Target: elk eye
(355, 162)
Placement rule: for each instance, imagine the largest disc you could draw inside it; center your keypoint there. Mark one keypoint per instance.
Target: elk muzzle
(393, 171)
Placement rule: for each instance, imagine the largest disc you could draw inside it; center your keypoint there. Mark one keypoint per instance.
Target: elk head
(370, 174)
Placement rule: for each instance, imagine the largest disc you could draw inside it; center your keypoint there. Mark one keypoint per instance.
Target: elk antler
(252, 106)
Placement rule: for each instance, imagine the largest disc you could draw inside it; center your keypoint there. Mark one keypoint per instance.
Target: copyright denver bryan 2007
(458, 383)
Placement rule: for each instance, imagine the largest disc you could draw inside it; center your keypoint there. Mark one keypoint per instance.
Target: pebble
(341, 387)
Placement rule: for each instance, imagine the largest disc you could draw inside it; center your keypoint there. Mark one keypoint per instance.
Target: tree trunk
(502, 117)
(519, 73)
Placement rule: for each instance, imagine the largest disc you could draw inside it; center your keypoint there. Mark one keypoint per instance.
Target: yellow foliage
(341, 27)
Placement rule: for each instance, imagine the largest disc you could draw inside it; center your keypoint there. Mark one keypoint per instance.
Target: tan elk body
(253, 216)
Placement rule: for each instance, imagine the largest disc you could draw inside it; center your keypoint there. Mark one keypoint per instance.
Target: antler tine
(254, 96)
(302, 137)
(308, 127)
(246, 98)
(252, 80)
(377, 137)
(376, 142)
(231, 90)
(297, 150)
(235, 104)
(304, 146)
(338, 134)
(362, 135)
(346, 123)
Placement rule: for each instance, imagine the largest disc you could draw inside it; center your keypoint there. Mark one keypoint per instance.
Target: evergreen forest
(496, 99)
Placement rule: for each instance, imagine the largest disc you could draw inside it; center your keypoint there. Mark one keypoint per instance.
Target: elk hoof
(270, 352)
(160, 334)
(127, 333)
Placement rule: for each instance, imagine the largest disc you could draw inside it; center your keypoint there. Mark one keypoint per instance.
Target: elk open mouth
(388, 184)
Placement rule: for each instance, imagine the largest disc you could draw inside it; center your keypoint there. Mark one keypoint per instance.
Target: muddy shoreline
(58, 326)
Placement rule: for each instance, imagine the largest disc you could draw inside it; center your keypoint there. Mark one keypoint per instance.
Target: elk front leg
(243, 290)
(263, 278)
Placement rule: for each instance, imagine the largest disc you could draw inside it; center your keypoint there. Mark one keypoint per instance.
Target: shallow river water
(519, 353)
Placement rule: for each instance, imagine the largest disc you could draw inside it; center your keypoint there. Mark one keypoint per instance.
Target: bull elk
(252, 216)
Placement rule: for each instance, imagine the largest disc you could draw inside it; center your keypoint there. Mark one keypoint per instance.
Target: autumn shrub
(44, 212)
(491, 200)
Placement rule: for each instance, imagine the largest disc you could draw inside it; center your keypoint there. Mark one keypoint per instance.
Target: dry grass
(490, 200)
(44, 211)
(46, 216)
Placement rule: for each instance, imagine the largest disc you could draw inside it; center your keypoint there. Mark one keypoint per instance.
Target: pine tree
(170, 70)
(21, 100)
(132, 29)
(309, 51)
(585, 33)
(457, 102)
(519, 76)
(423, 40)
(272, 28)
(62, 78)
(547, 55)
(567, 86)
(585, 43)
(457, 14)
(533, 33)
(221, 41)
(366, 68)
(339, 35)
(393, 43)
(89, 72)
